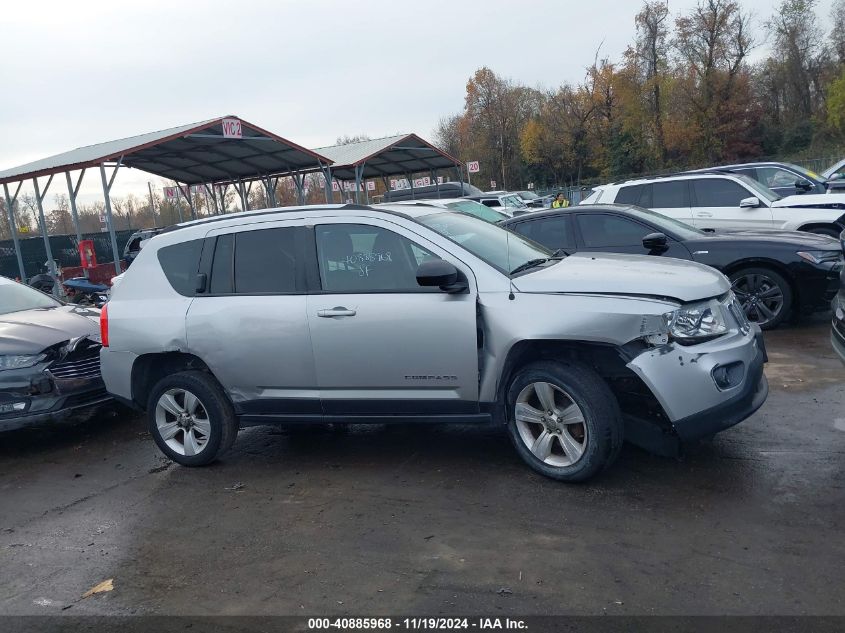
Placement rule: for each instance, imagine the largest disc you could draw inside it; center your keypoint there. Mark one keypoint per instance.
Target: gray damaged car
(417, 314)
(49, 359)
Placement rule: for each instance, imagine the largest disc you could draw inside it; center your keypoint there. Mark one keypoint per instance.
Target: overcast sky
(77, 73)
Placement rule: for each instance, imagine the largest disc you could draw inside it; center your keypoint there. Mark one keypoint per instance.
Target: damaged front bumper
(706, 388)
(54, 390)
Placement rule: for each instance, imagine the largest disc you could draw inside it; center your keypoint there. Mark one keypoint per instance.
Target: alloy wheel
(182, 422)
(760, 297)
(550, 424)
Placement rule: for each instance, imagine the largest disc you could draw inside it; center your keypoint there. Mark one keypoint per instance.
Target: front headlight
(696, 323)
(820, 257)
(20, 361)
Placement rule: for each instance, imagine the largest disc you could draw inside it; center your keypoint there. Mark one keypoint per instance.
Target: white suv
(720, 200)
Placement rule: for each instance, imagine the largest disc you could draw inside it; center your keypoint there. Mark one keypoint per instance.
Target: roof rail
(691, 172)
(253, 214)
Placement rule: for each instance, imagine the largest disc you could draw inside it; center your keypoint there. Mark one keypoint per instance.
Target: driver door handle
(337, 311)
(704, 214)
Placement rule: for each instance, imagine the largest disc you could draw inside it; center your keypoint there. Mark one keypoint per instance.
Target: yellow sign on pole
(23, 229)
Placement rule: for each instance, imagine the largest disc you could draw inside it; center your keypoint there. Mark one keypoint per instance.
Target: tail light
(104, 325)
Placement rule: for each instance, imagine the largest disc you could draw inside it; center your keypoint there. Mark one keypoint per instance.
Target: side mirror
(656, 242)
(440, 273)
(803, 185)
(749, 203)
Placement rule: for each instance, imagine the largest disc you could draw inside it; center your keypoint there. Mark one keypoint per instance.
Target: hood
(814, 200)
(799, 239)
(32, 331)
(611, 273)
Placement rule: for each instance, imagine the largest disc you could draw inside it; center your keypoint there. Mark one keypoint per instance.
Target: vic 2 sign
(232, 128)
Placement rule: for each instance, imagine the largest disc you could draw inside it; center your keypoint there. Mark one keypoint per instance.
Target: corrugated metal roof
(192, 153)
(352, 153)
(391, 155)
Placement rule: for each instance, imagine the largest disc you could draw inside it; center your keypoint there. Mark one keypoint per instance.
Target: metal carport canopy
(389, 156)
(197, 153)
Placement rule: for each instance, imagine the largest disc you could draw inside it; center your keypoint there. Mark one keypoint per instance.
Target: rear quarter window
(629, 195)
(180, 264)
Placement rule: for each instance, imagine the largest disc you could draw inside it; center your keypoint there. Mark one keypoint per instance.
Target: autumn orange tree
(683, 95)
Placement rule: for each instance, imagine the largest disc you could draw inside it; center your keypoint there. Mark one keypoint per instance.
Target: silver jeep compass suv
(361, 315)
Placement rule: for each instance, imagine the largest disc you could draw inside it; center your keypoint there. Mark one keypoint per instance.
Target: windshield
(478, 210)
(810, 175)
(498, 247)
(513, 201)
(681, 229)
(761, 190)
(528, 195)
(15, 297)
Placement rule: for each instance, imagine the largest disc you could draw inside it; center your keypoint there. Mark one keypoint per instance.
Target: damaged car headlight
(696, 323)
(20, 361)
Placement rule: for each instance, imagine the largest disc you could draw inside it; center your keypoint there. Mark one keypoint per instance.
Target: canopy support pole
(299, 183)
(242, 191)
(72, 193)
(179, 201)
(13, 226)
(209, 193)
(190, 199)
(51, 265)
(223, 189)
(436, 183)
(411, 182)
(327, 175)
(107, 185)
(358, 171)
(152, 204)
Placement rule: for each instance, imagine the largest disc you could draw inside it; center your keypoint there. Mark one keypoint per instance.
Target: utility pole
(152, 204)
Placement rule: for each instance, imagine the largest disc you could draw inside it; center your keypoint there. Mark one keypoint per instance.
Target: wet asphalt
(436, 520)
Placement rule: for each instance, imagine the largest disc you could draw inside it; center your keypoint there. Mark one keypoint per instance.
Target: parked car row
(577, 329)
(726, 200)
(774, 274)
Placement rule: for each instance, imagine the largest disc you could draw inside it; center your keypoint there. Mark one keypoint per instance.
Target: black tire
(217, 407)
(602, 419)
(822, 230)
(767, 278)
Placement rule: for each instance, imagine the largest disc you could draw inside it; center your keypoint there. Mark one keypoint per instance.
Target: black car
(785, 179)
(49, 358)
(774, 274)
(136, 243)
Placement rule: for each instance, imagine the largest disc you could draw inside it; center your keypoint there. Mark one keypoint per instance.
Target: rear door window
(718, 192)
(553, 233)
(629, 195)
(601, 230)
(669, 195)
(255, 262)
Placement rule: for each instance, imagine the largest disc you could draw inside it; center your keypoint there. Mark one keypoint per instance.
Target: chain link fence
(65, 251)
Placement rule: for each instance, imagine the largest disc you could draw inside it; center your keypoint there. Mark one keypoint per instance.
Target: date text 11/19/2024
(417, 624)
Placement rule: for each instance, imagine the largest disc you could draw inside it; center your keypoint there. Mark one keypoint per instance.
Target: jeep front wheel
(563, 420)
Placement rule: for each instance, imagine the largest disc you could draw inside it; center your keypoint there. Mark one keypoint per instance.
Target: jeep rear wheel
(191, 419)
(563, 420)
